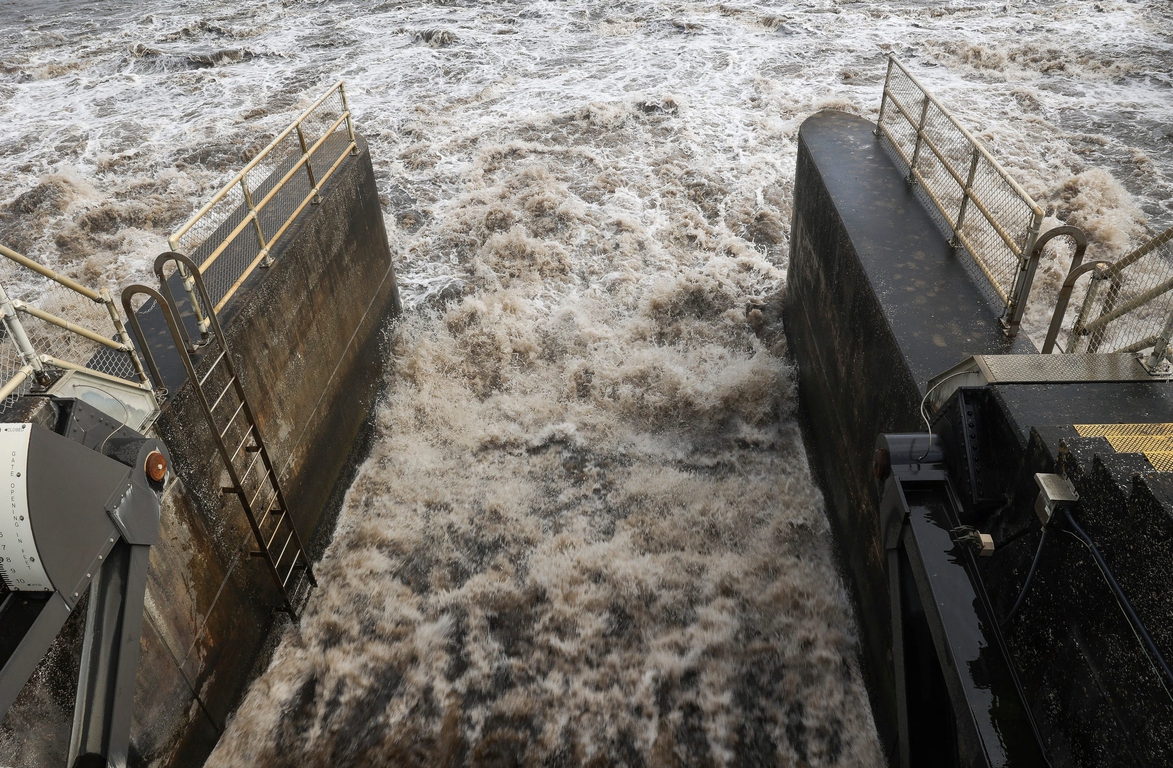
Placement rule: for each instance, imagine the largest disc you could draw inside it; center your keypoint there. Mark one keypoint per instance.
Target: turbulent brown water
(586, 533)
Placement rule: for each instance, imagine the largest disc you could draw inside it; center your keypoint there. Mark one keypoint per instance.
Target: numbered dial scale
(21, 567)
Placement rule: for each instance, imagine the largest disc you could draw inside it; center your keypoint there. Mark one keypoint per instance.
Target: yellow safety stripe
(1155, 441)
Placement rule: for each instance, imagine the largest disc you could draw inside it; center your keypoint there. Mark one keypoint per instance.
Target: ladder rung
(234, 415)
(251, 464)
(284, 547)
(243, 440)
(276, 529)
(209, 371)
(252, 501)
(292, 568)
(268, 508)
(227, 387)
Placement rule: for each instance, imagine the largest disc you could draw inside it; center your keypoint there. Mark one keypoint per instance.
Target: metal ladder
(252, 478)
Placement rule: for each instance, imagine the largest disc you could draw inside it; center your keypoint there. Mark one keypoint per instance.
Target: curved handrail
(128, 293)
(184, 261)
(1064, 299)
(187, 273)
(1019, 298)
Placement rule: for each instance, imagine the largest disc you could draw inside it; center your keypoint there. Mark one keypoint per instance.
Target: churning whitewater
(586, 532)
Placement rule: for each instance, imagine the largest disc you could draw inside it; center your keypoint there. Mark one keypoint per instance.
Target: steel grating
(1058, 369)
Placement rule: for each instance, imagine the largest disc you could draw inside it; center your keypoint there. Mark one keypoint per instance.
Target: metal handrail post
(125, 337)
(920, 138)
(1161, 346)
(1036, 226)
(308, 168)
(1096, 329)
(200, 316)
(966, 192)
(190, 291)
(346, 111)
(883, 98)
(266, 261)
(1085, 309)
(1016, 303)
(19, 337)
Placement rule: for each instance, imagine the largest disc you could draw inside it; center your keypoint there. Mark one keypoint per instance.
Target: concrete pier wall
(305, 335)
(877, 304)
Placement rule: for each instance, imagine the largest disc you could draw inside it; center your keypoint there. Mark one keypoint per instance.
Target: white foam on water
(586, 533)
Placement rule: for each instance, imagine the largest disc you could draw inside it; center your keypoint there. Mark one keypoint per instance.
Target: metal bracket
(1054, 491)
(1160, 368)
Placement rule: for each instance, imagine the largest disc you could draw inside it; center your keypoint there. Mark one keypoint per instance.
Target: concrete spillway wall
(305, 335)
(876, 305)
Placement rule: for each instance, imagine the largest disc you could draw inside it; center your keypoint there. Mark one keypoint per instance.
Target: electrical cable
(925, 416)
(1138, 627)
(1029, 575)
(1011, 538)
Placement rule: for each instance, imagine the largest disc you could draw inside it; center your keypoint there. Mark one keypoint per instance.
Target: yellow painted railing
(235, 231)
(976, 202)
(94, 338)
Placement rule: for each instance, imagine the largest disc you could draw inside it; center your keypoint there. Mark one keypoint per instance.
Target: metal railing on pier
(40, 338)
(972, 198)
(234, 233)
(1128, 306)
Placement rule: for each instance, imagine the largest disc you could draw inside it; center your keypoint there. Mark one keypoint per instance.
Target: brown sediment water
(586, 533)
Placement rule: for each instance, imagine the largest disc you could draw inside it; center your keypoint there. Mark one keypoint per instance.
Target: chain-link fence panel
(233, 236)
(10, 363)
(35, 295)
(1128, 306)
